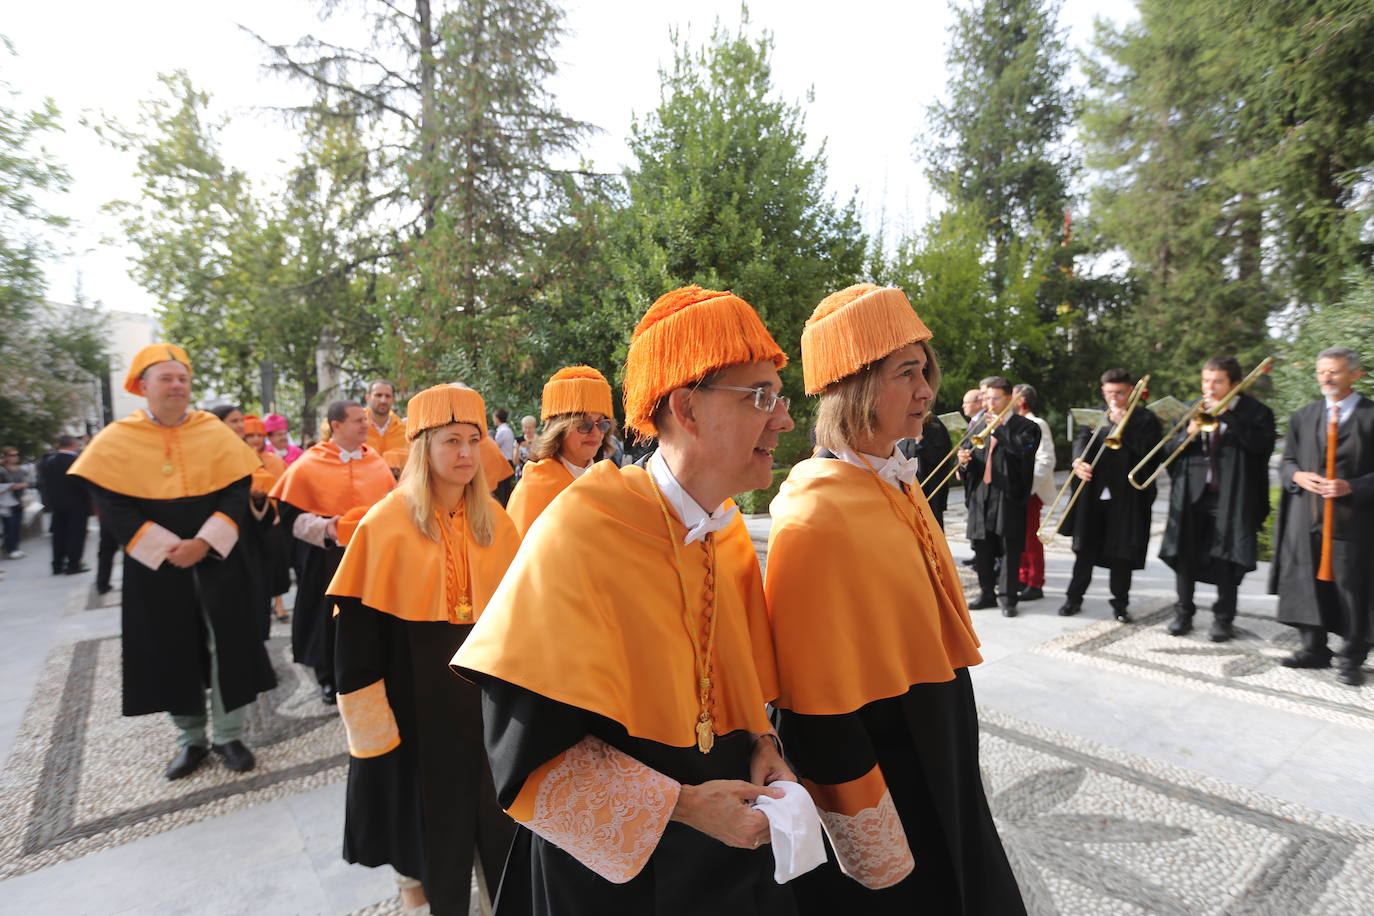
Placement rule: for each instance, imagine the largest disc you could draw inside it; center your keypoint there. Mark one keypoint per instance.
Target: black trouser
(1228, 577)
(1119, 580)
(990, 579)
(68, 538)
(104, 556)
(1355, 650)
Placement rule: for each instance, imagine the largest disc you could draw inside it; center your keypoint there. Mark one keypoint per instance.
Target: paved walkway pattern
(1129, 772)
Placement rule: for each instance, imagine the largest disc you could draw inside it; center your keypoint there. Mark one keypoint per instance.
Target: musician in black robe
(1219, 500)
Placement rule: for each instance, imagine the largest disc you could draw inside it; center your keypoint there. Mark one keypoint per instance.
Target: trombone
(977, 440)
(1046, 532)
(1208, 418)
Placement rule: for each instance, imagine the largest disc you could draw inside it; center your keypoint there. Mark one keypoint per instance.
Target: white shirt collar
(346, 456)
(573, 469)
(699, 522)
(896, 469)
(1347, 405)
(383, 428)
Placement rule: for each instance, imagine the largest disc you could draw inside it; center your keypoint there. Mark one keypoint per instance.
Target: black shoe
(1069, 608)
(968, 562)
(1221, 631)
(982, 602)
(1305, 659)
(1350, 674)
(103, 589)
(1009, 610)
(236, 757)
(1122, 616)
(187, 761)
(1031, 594)
(77, 570)
(328, 694)
(1182, 624)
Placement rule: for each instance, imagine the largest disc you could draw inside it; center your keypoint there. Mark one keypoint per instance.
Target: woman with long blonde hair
(420, 567)
(576, 409)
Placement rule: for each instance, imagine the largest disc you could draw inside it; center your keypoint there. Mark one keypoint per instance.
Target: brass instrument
(1111, 441)
(977, 440)
(1208, 418)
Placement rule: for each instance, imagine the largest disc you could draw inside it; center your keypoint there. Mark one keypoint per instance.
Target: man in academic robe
(625, 660)
(1110, 522)
(70, 504)
(172, 484)
(997, 484)
(385, 430)
(317, 489)
(1219, 499)
(1344, 604)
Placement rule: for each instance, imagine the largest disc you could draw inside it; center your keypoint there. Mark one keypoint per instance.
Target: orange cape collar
(857, 611)
(590, 614)
(539, 483)
(132, 457)
(320, 483)
(390, 566)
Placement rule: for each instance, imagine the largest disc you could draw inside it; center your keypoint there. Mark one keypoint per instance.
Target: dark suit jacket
(61, 491)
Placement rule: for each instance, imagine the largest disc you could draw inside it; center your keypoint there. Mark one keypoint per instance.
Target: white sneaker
(17, 555)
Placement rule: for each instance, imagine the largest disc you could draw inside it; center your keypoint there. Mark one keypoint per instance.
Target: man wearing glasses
(625, 662)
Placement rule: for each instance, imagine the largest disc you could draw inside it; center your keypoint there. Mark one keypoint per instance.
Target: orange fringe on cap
(685, 336)
(442, 405)
(151, 355)
(854, 328)
(253, 425)
(348, 523)
(576, 389)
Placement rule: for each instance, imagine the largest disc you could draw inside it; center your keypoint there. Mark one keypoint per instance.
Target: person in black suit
(70, 504)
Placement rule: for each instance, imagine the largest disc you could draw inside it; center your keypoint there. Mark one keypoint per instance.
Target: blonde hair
(415, 486)
(556, 429)
(848, 410)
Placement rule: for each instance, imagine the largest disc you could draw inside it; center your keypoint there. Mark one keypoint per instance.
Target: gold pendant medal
(167, 469)
(464, 610)
(706, 739)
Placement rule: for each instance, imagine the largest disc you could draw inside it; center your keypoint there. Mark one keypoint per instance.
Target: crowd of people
(566, 665)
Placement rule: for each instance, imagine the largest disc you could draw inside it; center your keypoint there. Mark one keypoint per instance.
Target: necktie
(899, 469)
(987, 460)
(346, 456)
(709, 524)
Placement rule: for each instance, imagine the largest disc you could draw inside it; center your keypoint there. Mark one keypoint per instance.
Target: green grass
(1266, 533)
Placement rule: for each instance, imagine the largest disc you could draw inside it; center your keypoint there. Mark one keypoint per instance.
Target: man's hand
(1082, 470)
(1334, 488)
(331, 529)
(721, 809)
(188, 553)
(1309, 481)
(964, 455)
(766, 766)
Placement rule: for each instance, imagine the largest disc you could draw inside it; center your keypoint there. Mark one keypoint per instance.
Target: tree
(1349, 323)
(723, 194)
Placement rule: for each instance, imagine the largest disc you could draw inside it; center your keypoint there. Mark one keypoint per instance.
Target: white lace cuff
(311, 528)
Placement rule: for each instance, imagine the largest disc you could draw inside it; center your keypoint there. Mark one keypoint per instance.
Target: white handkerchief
(794, 829)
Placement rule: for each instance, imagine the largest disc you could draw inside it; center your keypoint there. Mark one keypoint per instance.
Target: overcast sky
(873, 70)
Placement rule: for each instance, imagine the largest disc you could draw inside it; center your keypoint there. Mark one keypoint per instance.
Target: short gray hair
(1352, 359)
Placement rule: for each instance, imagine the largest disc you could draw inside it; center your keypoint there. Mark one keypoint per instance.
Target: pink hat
(274, 422)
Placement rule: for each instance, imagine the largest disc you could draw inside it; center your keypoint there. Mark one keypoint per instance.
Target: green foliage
(1349, 323)
(755, 502)
(723, 194)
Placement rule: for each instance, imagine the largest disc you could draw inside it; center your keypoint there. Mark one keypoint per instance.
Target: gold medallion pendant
(464, 610)
(167, 469)
(706, 738)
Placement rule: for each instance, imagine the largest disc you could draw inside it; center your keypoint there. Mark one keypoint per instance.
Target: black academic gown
(524, 730)
(932, 447)
(1245, 442)
(312, 618)
(998, 510)
(1297, 535)
(1114, 531)
(426, 807)
(166, 668)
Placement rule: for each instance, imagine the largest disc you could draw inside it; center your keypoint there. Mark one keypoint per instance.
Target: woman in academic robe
(576, 410)
(418, 570)
(873, 636)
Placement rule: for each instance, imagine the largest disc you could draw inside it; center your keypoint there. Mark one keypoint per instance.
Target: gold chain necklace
(456, 568)
(706, 736)
(919, 527)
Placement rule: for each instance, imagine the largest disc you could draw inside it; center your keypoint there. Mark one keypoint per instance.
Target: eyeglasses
(764, 399)
(586, 426)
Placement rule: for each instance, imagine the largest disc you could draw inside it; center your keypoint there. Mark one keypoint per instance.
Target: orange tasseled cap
(576, 389)
(442, 405)
(253, 425)
(151, 355)
(685, 336)
(853, 328)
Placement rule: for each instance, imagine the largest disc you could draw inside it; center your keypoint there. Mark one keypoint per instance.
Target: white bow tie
(708, 525)
(899, 470)
(346, 456)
